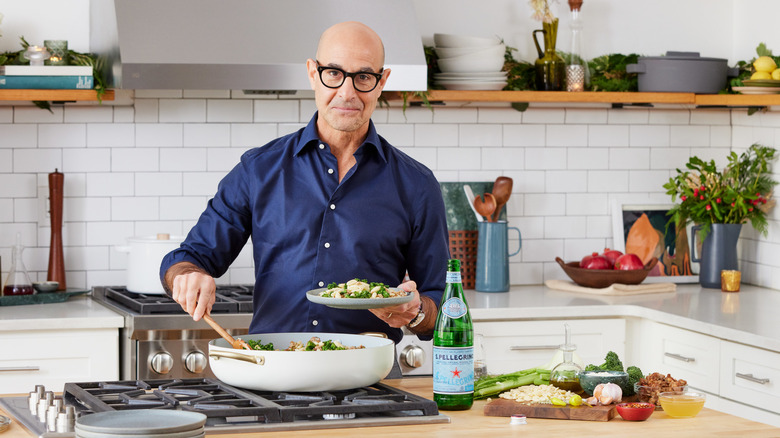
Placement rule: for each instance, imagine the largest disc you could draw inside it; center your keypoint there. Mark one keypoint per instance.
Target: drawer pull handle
(679, 357)
(28, 368)
(752, 379)
(533, 347)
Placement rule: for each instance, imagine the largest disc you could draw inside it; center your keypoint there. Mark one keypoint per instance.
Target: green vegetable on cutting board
(488, 386)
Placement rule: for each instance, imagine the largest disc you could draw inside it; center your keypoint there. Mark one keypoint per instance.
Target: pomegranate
(629, 262)
(611, 255)
(594, 261)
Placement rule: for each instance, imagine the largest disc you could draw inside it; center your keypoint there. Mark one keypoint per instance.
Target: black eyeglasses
(333, 77)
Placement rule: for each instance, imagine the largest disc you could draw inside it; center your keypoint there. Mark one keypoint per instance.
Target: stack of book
(48, 77)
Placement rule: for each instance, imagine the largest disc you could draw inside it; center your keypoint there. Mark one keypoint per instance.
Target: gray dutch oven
(302, 370)
(682, 72)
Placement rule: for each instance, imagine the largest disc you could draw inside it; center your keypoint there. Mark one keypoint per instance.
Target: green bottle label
(454, 308)
(453, 370)
(453, 277)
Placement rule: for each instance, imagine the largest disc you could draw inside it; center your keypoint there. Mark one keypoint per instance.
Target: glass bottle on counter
(566, 375)
(453, 346)
(18, 282)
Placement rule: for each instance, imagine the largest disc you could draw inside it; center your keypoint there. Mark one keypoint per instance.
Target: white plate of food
(357, 295)
(757, 90)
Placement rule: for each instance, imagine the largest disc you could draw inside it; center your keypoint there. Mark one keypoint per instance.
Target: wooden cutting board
(506, 408)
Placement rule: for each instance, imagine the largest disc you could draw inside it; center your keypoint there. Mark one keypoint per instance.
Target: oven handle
(20, 368)
(216, 355)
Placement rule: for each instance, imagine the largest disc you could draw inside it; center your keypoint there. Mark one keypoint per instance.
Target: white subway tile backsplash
(6, 210)
(567, 135)
(33, 114)
(428, 157)
(710, 117)
(587, 204)
(152, 228)
(108, 233)
(669, 158)
(411, 115)
(687, 136)
(221, 111)
(135, 208)
(575, 249)
(647, 180)
(608, 135)
(288, 128)
(649, 135)
(158, 184)
(545, 204)
(124, 114)
(525, 135)
(526, 273)
(542, 250)
(147, 110)
(159, 135)
(501, 158)
(141, 159)
(544, 116)
(89, 114)
(182, 110)
(628, 116)
(62, 135)
(545, 158)
(26, 210)
(600, 227)
(720, 136)
(110, 184)
(564, 227)
(453, 158)
(75, 183)
(206, 135)
(526, 181)
(629, 158)
(566, 181)
(37, 160)
(505, 115)
(86, 160)
(87, 258)
(455, 115)
(279, 111)
(222, 160)
(18, 136)
(206, 94)
(249, 135)
(110, 135)
(6, 114)
(482, 135)
(669, 117)
(397, 134)
(182, 208)
(606, 181)
(159, 94)
(202, 183)
(184, 159)
(587, 158)
(91, 209)
(307, 108)
(436, 135)
(6, 160)
(589, 116)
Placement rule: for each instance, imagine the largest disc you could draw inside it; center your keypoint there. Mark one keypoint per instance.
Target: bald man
(331, 202)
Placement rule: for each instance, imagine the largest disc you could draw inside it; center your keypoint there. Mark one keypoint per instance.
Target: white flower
(542, 11)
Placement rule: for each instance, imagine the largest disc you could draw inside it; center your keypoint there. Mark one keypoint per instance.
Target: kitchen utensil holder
(463, 246)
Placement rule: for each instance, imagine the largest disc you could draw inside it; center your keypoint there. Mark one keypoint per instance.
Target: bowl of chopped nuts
(649, 388)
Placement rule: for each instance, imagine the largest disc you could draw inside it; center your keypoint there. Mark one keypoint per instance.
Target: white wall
(150, 167)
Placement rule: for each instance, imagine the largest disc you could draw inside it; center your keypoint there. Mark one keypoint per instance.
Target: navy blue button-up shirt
(386, 217)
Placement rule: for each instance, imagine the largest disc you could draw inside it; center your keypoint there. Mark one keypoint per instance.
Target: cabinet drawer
(685, 355)
(516, 345)
(750, 375)
(54, 358)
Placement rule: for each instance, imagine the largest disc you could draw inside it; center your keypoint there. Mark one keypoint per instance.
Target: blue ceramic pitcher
(493, 256)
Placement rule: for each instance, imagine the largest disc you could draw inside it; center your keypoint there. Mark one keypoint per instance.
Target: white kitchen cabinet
(683, 354)
(516, 345)
(53, 357)
(750, 375)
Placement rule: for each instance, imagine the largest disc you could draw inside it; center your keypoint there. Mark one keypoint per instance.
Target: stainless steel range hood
(242, 44)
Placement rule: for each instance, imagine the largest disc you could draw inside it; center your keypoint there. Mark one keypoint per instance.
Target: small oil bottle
(566, 375)
(18, 282)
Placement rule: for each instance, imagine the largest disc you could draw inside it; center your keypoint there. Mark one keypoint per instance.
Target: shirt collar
(310, 136)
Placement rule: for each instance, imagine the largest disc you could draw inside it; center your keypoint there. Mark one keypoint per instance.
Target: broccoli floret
(611, 363)
(634, 374)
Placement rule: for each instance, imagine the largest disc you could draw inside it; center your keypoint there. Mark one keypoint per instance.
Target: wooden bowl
(601, 278)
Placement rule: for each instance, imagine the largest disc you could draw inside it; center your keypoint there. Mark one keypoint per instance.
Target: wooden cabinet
(54, 357)
(750, 375)
(683, 354)
(516, 345)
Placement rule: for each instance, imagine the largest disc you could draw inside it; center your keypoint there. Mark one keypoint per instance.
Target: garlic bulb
(607, 393)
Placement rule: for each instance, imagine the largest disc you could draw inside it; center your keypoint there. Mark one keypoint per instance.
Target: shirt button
(320, 284)
(322, 146)
(332, 206)
(330, 171)
(315, 322)
(327, 245)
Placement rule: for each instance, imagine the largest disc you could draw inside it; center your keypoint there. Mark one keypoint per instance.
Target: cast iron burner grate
(229, 299)
(223, 404)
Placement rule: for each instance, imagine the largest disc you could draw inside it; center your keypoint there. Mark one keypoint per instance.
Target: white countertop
(749, 316)
(78, 312)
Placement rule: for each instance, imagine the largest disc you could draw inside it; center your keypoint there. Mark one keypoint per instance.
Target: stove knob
(413, 356)
(195, 362)
(162, 363)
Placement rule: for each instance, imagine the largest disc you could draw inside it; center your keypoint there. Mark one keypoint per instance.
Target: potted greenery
(719, 202)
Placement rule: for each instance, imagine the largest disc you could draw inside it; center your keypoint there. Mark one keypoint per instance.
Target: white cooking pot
(143, 262)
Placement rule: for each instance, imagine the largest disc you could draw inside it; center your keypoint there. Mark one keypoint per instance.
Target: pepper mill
(56, 262)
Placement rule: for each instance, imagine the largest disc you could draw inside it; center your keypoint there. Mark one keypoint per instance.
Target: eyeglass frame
(378, 76)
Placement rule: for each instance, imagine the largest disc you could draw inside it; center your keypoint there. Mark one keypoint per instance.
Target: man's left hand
(402, 314)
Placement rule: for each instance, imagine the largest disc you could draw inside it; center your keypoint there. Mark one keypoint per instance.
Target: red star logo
(456, 373)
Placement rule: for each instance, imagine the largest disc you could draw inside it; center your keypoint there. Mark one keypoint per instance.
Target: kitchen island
(473, 423)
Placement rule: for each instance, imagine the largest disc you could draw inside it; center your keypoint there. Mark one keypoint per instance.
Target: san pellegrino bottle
(453, 346)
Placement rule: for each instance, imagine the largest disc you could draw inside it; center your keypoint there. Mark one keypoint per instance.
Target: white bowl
(467, 85)
(468, 63)
(452, 52)
(452, 40)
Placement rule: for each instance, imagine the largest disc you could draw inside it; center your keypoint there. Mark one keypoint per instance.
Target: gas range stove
(230, 409)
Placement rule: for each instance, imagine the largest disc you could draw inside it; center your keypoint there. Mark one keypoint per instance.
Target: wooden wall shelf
(716, 100)
(54, 95)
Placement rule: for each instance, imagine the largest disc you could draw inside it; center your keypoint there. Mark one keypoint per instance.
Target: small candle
(58, 50)
(36, 54)
(575, 77)
(729, 280)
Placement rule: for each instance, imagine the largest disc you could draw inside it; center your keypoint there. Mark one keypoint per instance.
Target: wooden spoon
(236, 343)
(486, 207)
(502, 190)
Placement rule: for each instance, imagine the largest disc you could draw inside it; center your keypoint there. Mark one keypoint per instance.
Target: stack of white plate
(469, 63)
(144, 423)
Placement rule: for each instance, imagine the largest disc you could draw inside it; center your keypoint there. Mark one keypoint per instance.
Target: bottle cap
(517, 419)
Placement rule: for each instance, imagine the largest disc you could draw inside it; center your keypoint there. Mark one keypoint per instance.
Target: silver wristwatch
(417, 319)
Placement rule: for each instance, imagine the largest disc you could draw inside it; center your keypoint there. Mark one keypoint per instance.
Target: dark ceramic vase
(718, 252)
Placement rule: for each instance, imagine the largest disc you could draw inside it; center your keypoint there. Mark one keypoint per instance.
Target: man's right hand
(192, 288)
